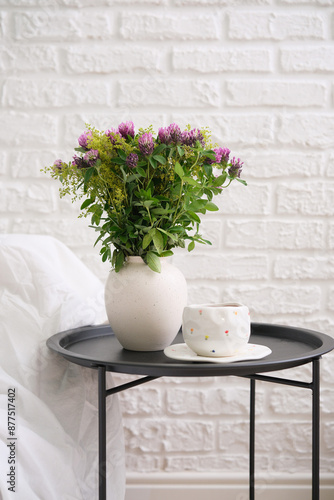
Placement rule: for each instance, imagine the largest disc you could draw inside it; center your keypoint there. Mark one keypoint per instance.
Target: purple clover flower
(79, 162)
(190, 137)
(84, 139)
(235, 168)
(175, 133)
(222, 155)
(57, 165)
(146, 144)
(125, 129)
(132, 160)
(91, 156)
(113, 135)
(164, 136)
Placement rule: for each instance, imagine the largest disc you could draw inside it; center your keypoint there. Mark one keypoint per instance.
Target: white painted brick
(25, 129)
(57, 25)
(168, 27)
(290, 401)
(45, 93)
(233, 436)
(248, 25)
(327, 401)
(228, 266)
(165, 92)
(227, 3)
(102, 59)
(209, 462)
(217, 401)
(4, 226)
(329, 436)
(279, 437)
(145, 401)
(3, 19)
(202, 294)
(20, 198)
(253, 199)
(189, 435)
(331, 298)
(274, 299)
(307, 130)
(276, 93)
(3, 163)
(29, 58)
(284, 164)
(299, 267)
(142, 463)
(330, 166)
(234, 129)
(306, 198)
(331, 235)
(221, 60)
(321, 3)
(313, 59)
(75, 123)
(276, 235)
(68, 231)
(27, 164)
(144, 435)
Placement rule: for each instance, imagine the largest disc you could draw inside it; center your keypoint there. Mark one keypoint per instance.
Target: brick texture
(259, 74)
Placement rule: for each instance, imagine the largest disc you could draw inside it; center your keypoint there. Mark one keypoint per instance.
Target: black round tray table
(97, 347)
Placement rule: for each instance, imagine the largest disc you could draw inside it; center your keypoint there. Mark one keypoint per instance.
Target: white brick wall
(259, 73)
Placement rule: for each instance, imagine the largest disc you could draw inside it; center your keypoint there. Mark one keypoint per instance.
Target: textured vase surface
(145, 308)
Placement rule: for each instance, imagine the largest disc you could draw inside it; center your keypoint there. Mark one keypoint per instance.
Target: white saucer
(184, 353)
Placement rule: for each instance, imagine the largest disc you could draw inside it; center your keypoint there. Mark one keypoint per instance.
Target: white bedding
(45, 289)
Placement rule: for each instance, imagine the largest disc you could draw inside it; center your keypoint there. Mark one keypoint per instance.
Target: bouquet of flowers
(144, 192)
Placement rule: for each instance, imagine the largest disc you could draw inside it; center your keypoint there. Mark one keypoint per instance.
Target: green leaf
(88, 174)
(153, 262)
(141, 171)
(160, 159)
(80, 149)
(242, 181)
(158, 241)
(211, 207)
(193, 216)
(191, 181)
(119, 261)
(118, 160)
(191, 246)
(180, 150)
(146, 240)
(197, 206)
(166, 253)
(220, 180)
(87, 202)
(122, 154)
(160, 148)
(152, 162)
(179, 170)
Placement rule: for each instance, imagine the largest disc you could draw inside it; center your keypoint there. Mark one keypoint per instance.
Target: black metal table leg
(102, 433)
(315, 429)
(252, 440)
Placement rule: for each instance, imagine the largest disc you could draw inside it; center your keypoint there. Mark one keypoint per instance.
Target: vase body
(145, 308)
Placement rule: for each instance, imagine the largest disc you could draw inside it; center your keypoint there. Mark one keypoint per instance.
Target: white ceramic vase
(145, 308)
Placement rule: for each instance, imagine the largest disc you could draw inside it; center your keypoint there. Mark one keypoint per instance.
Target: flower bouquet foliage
(144, 192)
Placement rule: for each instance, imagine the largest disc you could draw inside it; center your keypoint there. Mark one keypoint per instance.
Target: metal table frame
(103, 392)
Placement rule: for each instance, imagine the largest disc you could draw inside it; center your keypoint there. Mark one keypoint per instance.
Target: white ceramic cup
(216, 329)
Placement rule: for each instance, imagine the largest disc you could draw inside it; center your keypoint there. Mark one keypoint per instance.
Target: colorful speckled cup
(216, 329)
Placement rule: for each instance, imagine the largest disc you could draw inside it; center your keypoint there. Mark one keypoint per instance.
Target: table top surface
(94, 346)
